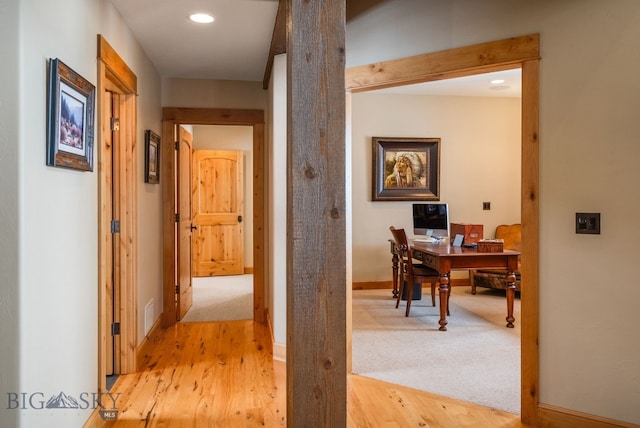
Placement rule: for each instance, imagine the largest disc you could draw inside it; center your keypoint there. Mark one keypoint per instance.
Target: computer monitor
(431, 219)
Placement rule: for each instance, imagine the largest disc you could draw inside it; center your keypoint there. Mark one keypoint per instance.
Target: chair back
(511, 234)
(400, 238)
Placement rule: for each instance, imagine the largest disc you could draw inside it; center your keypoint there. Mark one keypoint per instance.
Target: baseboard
(248, 270)
(377, 285)
(278, 350)
(372, 285)
(141, 349)
(557, 417)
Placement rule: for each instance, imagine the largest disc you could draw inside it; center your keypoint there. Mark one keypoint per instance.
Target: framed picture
(406, 169)
(70, 115)
(151, 157)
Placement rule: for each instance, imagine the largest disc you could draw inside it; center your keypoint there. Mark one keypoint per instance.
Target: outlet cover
(588, 223)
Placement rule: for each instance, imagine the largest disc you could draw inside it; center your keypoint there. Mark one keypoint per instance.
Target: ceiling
(236, 45)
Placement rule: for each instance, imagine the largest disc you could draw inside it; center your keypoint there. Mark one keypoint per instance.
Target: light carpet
(221, 298)
(476, 360)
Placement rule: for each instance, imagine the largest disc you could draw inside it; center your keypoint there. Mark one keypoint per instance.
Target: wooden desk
(444, 258)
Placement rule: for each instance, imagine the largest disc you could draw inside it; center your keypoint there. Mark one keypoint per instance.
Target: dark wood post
(316, 244)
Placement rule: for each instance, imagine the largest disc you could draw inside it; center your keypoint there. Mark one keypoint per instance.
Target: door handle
(239, 219)
(193, 227)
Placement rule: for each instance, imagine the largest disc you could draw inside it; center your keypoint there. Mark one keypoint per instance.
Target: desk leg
(444, 300)
(511, 294)
(394, 261)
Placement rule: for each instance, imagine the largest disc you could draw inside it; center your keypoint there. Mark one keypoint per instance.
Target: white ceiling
(478, 85)
(236, 45)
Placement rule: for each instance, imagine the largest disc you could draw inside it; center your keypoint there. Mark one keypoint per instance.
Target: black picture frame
(406, 169)
(151, 157)
(70, 118)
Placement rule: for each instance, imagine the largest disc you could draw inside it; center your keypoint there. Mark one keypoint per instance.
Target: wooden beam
(278, 41)
(508, 53)
(316, 215)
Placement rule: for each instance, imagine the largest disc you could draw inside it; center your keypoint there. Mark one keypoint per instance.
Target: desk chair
(410, 273)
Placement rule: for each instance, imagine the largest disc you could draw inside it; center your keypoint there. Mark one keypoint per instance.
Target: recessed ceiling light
(201, 18)
(497, 81)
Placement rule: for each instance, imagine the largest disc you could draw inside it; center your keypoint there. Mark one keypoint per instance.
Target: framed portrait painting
(406, 169)
(70, 116)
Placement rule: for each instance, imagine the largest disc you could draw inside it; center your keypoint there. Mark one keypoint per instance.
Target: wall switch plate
(588, 223)
(486, 206)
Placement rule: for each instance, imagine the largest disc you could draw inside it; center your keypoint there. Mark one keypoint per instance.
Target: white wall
(10, 221)
(479, 161)
(238, 138)
(277, 155)
(589, 94)
(199, 93)
(52, 244)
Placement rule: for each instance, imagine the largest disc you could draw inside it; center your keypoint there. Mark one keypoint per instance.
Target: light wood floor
(222, 375)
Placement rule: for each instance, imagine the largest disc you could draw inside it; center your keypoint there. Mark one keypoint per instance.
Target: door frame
(115, 76)
(517, 52)
(172, 116)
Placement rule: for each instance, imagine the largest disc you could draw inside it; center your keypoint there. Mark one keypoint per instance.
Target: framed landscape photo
(406, 169)
(70, 116)
(151, 157)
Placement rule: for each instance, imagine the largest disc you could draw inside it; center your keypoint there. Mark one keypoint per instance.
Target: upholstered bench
(496, 278)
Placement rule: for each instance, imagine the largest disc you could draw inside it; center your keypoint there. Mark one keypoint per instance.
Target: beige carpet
(221, 298)
(477, 360)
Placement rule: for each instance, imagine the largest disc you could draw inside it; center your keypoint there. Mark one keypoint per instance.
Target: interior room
(578, 154)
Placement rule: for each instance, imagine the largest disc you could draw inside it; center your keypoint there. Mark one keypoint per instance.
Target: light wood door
(185, 292)
(217, 213)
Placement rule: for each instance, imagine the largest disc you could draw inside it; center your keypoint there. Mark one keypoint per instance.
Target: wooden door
(217, 213)
(184, 292)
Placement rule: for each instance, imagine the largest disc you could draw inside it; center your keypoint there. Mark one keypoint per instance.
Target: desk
(444, 258)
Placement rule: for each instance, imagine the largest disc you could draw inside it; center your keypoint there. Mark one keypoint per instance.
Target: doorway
(523, 52)
(173, 117)
(222, 223)
(117, 215)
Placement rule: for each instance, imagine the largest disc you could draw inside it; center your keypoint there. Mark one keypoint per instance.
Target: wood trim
(114, 75)
(458, 62)
(213, 116)
(117, 71)
(167, 180)
(248, 270)
(515, 52)
(316, 265)
(552, 416)
(530, 214)
(172, 116)
(259, 222)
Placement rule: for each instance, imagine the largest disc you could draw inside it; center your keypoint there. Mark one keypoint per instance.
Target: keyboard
(426, 239)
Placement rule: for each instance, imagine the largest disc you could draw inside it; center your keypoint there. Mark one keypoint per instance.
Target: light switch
(588, 223)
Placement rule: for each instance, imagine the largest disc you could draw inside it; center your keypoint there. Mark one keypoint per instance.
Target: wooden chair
(411, 273)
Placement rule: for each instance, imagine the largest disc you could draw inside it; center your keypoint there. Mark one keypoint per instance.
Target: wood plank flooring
(222, 374)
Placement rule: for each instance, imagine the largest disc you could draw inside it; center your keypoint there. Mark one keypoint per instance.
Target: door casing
(116, 77)
(173, 116)
(517, 52)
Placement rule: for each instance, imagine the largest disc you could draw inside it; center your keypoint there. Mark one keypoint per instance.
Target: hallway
(222, 375)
